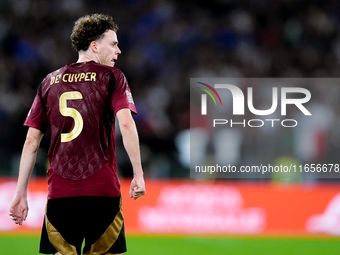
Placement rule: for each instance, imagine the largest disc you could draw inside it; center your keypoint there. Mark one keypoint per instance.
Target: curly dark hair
(90, 28)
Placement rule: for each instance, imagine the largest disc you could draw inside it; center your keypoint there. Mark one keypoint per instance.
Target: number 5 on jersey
(71, 112)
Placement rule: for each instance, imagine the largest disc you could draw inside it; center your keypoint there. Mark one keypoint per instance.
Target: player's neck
(86, 57)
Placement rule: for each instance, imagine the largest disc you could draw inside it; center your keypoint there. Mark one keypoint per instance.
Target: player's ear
(94, 46)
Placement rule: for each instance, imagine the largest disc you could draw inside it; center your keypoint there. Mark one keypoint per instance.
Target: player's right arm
(19, 207)
(131, 143)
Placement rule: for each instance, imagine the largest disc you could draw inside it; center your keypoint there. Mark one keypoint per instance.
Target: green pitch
(152, 245)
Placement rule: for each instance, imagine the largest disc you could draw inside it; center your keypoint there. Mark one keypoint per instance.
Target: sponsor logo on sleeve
(129, 96)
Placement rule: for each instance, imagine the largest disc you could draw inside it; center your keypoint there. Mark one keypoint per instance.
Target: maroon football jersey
(79, 102)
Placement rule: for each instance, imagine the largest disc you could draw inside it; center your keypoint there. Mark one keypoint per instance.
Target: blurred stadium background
(164, 44)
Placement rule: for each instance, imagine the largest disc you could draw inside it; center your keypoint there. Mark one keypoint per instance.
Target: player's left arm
(19, 207)
(131, 143)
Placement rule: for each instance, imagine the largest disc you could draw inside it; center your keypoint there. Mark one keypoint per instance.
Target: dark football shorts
(70, 220)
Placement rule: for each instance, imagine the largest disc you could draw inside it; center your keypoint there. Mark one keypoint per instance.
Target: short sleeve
(122, 97)
(36, 117)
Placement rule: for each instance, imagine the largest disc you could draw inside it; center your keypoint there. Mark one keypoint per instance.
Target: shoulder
(116, 72)
(106, 71)
(53, 76)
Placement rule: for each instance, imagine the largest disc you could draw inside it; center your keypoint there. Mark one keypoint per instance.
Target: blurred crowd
(165, 43)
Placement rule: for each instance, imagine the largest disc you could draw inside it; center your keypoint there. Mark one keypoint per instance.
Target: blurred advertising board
(206, 208)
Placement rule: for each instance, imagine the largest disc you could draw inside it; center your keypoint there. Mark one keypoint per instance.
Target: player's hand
(137, 187)
(19, 209)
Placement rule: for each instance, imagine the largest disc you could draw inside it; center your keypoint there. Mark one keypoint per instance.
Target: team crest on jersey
(129, 96)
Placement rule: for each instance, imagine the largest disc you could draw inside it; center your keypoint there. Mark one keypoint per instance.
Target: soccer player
(80, 102)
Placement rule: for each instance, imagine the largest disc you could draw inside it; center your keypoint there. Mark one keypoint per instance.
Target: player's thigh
(107, 224)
